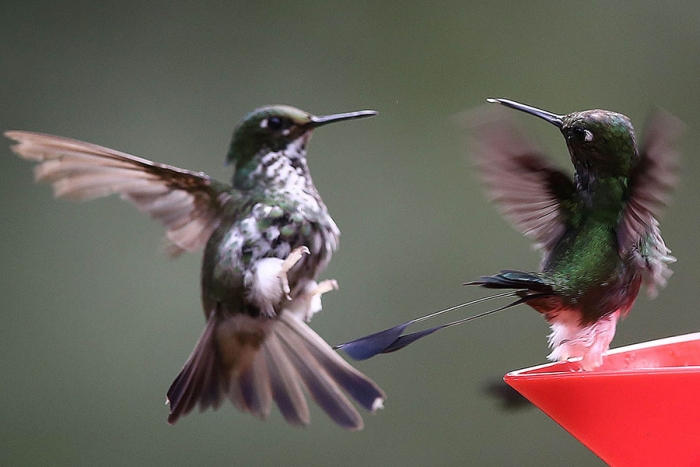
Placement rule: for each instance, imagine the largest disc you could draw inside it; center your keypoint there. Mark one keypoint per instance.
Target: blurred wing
(653, 180)
(187, 203)
(651, 185)
(531, 193)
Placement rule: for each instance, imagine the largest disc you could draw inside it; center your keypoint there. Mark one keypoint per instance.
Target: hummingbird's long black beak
(325, 119)
(554, 119)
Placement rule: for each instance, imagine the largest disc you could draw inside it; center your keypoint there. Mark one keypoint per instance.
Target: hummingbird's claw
(313, 297)
(308, 302)
(326, 286)
(288, 264)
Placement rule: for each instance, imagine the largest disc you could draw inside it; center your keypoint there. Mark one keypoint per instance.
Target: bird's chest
(584, 257)
(590, 277)
(266, 230)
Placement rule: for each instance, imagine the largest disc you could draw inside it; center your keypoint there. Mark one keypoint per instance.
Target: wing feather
(651, 185)
(187, 203)
(528, 190)
(653, 180)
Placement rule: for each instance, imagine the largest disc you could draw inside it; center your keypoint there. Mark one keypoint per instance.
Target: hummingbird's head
(279, 129)
(599, 141)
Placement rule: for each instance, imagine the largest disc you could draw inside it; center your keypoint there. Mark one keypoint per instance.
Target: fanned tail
(254, 363)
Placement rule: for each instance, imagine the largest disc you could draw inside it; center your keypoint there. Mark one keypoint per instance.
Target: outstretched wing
(187, 203)
(532, 194)
(651, 185)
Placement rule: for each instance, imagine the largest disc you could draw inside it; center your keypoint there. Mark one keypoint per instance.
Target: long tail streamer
(393, 339)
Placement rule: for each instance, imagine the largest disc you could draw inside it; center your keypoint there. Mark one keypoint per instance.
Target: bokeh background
(96, 322)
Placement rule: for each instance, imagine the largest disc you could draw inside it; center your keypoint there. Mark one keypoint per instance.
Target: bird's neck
(603, 196)
(282, 175)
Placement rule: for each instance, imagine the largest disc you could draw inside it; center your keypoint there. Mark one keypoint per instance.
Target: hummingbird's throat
(286, 170)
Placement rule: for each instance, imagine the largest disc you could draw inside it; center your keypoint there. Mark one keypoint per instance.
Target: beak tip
(316, 121)
(556, 120)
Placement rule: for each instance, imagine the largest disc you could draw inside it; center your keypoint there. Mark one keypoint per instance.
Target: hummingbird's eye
(273, 123)
(581, 134)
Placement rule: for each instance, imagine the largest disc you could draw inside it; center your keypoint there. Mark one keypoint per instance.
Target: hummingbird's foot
(313, 297)
(326, 286)
(288, 264)
(308, 302)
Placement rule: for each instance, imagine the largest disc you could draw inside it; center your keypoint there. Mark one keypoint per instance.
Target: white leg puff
(569, 340)
(267, 282)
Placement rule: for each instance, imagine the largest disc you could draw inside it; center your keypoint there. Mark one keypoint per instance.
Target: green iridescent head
(273, 129)
(599, 141)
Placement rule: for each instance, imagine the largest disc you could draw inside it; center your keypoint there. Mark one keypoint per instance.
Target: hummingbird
(598, 230)
(266, 237)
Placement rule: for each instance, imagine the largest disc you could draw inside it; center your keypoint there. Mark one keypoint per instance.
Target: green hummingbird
(598, 231)
(266, 237)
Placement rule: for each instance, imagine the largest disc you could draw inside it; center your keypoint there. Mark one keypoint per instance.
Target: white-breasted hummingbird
(266, 237)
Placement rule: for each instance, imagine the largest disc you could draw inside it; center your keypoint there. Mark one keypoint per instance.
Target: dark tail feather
(285, 385)
(325, 375)
(251, 390)
(199, 381)
(527, 281)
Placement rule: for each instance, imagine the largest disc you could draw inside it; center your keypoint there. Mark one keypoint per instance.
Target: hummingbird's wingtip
(491, 100)
(11, 134)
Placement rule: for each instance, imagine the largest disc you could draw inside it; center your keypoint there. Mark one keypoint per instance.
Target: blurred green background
(96, 322)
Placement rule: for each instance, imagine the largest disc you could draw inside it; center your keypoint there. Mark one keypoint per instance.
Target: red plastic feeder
(641, 407)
